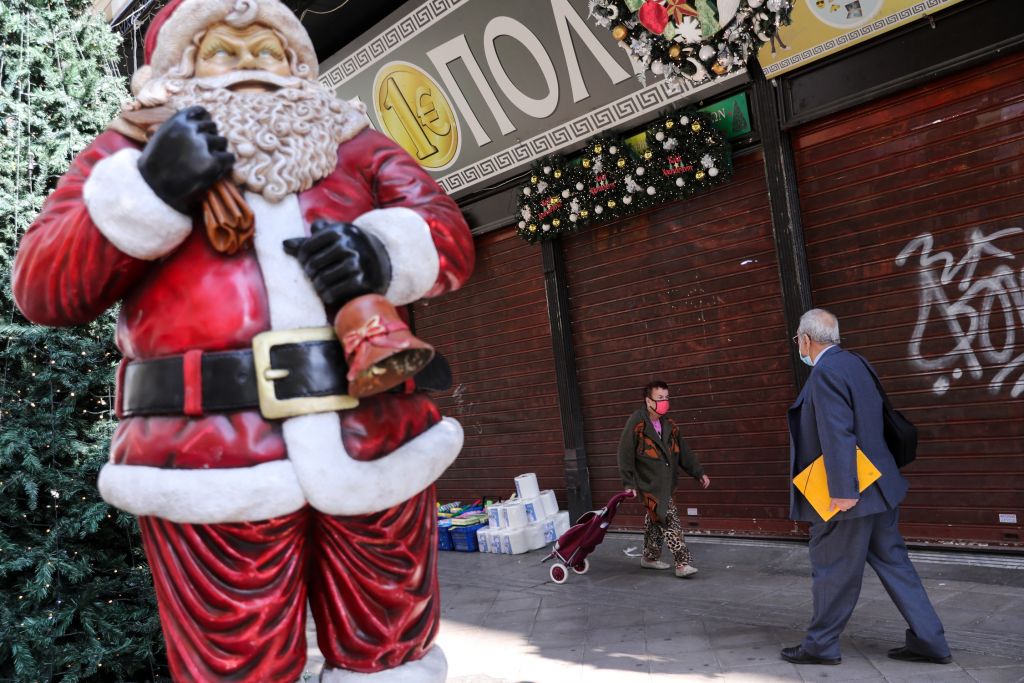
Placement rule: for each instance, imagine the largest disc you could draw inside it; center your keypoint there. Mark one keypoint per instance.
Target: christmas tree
(78, 601)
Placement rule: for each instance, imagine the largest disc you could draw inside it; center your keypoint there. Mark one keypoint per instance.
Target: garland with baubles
(691, 39)
(681, 155)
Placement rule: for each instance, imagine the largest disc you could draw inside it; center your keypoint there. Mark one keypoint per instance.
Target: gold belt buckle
(274, 408)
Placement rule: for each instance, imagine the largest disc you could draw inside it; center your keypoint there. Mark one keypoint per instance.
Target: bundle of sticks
(227, 218)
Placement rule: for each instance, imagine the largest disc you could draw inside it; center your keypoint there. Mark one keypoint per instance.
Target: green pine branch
(78, 598)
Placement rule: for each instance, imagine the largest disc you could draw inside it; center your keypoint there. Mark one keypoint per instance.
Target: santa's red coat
(69, 270)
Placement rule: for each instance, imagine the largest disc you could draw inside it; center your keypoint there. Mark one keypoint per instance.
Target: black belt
(281, 377)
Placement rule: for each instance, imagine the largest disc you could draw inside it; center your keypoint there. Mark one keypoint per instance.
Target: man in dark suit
(838, 410)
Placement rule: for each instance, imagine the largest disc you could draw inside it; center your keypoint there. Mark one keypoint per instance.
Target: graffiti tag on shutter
(954, 292)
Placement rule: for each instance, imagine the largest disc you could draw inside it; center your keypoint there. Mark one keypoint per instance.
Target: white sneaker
(686, 571)
(653, 564)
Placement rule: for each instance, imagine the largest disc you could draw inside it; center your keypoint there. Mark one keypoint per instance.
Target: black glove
(341, 261)
(184, 158)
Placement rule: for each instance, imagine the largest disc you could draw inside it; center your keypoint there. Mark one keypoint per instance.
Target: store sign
(731, 116)
(476, 90)
(824, 27)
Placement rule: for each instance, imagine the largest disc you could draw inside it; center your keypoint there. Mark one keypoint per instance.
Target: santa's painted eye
(217, 52)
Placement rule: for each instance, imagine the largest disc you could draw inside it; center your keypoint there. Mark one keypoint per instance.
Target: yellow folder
(813, 482)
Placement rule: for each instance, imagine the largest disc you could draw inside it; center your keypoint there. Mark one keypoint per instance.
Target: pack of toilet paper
(529, 520)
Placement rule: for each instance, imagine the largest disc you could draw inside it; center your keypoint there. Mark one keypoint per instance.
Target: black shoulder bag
(899, 432)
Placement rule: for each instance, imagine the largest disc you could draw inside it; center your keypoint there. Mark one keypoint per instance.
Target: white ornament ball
(628, 199)
(679, 182)
(685, 120)
(651, 190)
(707, 52)
(573, 217)
(639, 170)
(522, 224)
(712, 171)
(659, 136)
(598, 209)
(545, 227)
(613, 150)
(579, 186)
(547, 169)
(526, 191)
(565, 193)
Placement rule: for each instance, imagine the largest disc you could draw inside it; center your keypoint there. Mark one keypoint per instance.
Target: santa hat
(174, 27)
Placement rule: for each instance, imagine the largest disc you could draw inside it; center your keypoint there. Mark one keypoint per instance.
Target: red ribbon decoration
(654, 16)
(358, 342)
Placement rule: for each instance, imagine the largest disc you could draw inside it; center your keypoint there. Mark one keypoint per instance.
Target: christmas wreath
(675, 157)
(691, 39)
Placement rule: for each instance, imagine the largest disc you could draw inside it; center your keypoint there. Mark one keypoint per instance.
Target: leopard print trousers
(671, 532)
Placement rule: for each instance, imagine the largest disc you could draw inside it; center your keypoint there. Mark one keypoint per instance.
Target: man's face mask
(806, 359)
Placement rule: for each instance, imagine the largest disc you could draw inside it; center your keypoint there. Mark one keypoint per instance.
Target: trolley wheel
(582, 568)
(558, 572)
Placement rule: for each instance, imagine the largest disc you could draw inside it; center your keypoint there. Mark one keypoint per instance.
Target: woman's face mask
(660, 407)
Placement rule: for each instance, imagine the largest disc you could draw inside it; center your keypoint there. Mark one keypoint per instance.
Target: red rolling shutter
(689, 292)
(494, 332)
(913, 210)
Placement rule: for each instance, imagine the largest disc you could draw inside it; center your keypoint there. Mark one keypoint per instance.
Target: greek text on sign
(474, 93)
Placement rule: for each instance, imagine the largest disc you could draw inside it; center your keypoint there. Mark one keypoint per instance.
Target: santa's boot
(432, 668)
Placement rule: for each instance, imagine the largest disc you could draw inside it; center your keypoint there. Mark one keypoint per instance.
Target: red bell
(380, 350)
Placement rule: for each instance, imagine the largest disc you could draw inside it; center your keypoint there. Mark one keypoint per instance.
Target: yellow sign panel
(824, 27)
(414, 112)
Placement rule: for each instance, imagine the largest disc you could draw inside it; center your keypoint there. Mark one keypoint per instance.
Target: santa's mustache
(233, 78)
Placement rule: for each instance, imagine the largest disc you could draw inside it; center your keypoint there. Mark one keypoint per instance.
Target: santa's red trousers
(232, 597)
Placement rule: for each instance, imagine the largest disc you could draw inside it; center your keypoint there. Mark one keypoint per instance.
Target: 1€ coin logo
(414, 112)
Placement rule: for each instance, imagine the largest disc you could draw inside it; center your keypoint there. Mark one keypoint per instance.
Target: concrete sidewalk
(504, 621)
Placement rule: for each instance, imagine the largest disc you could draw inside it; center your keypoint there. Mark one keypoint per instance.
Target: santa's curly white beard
(284, 140)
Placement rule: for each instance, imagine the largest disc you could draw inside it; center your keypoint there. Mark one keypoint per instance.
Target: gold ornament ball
(556, 222)
(669, 124)
(584, 213)
(558, 174)
(718, 68)
(620, 32)
(586, 163)
(532, 228)
(533, 179)
(611, 203)
(675, 52)
(620, 163)
(699, 175)
(597, 149)
(695, 127)
(648, 154)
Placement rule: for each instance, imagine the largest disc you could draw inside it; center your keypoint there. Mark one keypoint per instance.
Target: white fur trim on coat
(193, 16)
(337, 484)
(415, 263)
(203, 496)
(127, 211)
(432, 668)
(332, 481)
(291, 297)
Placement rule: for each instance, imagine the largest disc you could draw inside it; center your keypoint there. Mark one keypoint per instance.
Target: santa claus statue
(259, 483)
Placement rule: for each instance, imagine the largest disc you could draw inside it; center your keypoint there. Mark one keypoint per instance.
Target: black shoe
(905, 654)
(797, 655)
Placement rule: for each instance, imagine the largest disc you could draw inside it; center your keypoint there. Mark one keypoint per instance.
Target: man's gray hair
(820, 325)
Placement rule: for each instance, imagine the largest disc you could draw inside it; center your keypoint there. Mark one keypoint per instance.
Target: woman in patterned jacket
(652, 452)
